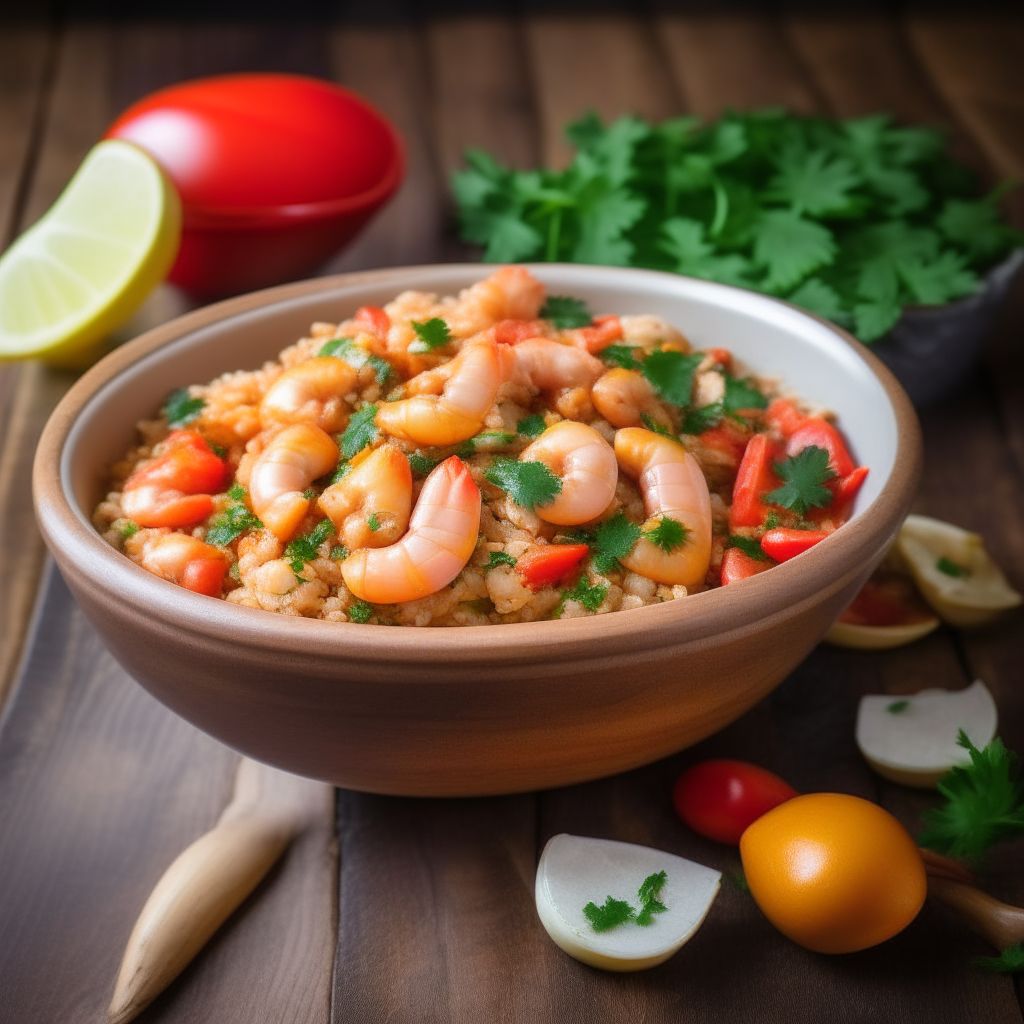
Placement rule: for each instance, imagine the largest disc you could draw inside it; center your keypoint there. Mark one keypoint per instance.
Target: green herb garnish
(704, 418)
(897, 707)
(984, 803)
(671, 374)
(806, 474)
(487, 441)
(566, 312)
(531, 426)
(338, 553)
(950, 568)
(421, 464)
(180, 409)
(649, 891)
(652, 425)
(615, 912)
(614, 539)
(430, 334)
(668, 535)
(360, 611)
(588, 595)
(749, 546)
(304, 549)
(357, 357)
(360, 431)
(129, 529)
(742, 394)
(373, 522)
(231, 523)
(1010, 961)
(236, 492)
(623, 356)
(343, 470)
(528, 484)
(499, 558)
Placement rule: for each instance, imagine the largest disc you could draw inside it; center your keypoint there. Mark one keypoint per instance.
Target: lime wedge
(90, 261)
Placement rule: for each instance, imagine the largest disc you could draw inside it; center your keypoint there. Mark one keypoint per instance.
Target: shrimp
(182, 559)
(545, 365)
(674, 487)
(291, 461)
(311, 392)
(604, 331)
(651, 332)
(624, 397)
(378, 489)
(511, 293)
(584, 462)
(449, 403)
(175, 488)
(442, 536)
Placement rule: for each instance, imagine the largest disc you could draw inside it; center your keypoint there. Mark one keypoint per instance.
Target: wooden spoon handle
(998, 923)
(937, 865)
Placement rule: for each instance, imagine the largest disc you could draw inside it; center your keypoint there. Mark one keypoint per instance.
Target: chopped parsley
(614, 539)
(231, 523)
(430, 334)
(357, 357)
(806, 474)
(749, 546)
(338, 553)
(531, 426)
(129, 529)
(180, 409)
(615, 912)
(309, 494)
(360, 611)
(897, 707)
(235, 573)
(304, 549)
(487, 441)
(421, 464)
(528, 484)
(566, 312)
(591, 596)
(649, 891)
(373, 522)
(654, 426)
(742, 394)
(704, 418)
(668, 535)
(218, 449)
(950, 568)
(671, 374)
(772, 520)
(236, 492)
(360, 432)
(622, 356)
(499, 558)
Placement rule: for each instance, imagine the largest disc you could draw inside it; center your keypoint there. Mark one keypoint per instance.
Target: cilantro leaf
(984, 803)
(607, 216)
(818, 297)
(589, 595)
(237, 492)
(528, 484)
(950, 568)
(180, 409)
(360, 432)
(129, 529)
(421, 464)
(304, 549)
(668, 535)
(357, 357)
(488, 441)
(654, 426)
(531, 426)
(565, 312)
(1010, 961)
(614, 539)
(872, 320)
(897, 707)
(649, 891)
(613, 912)
(683, 240)
(813, 182)
(976, 227)
(430, 334)
(791, 247)
(338, 553)
(805, 474)
(671, 374)
(620, 355)
(231, 523)
(499, 558)
(373, 522)
(937, 281)
(742, 394)
(704, 418)
(360, 611)
(749, 546)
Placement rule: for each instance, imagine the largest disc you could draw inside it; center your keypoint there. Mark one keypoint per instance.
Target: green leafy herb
(338, 553)
(742, 394)
(739, 879)
(671, 374)
(772, 520)
(951, 568)
(487, 441)
(1010, 961)
(357, 357)
(591, 596)
(218, 449)
(360, 431)
(623, 356)
(652, 425)
(649, 891)
(304, 549)
(984, 803)
(360, 611)
(499, 558)
(528, 484)
(343, 470)
(531, 426)
(309, 494)
(749, 546)
(236, 492)
(180, 409)
(235, 573)
(897, 707)
(614, 539)
(373, 522)
(421, 464)
(430, 334)
(610, 914)
(231, 523)
(806, 474)
(129, 529)
(668, 535)
(566, 312)
(704, 418)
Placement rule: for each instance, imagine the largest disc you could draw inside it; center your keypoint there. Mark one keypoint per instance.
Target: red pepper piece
(738, 565)
(783, 416)
(205, 576)
(782, 544)
(511, 332)
(603, 331)
(822, 434)
(728, 438)
(845, 490)
(721, 356)
(544, 566)
(754, 479)
(374, 321)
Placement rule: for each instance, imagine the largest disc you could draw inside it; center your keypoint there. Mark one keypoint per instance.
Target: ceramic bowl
(485, 709)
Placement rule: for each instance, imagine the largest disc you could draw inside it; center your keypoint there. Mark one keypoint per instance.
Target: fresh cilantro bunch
(853, 220)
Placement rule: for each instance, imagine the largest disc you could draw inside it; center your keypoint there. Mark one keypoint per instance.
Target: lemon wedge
(878, 638)
(90, 261)
(912, 740)
(954, 572)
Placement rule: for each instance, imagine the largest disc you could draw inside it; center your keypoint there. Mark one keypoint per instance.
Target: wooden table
(416, 910)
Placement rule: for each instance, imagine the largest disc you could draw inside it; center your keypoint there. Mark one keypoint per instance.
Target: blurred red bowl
(276, 173)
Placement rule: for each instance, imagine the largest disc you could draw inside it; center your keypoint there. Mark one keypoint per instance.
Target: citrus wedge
(954, 572)
(91, 260)
(878, 638)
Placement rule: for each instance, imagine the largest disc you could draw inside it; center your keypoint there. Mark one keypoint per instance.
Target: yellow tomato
(834, 873)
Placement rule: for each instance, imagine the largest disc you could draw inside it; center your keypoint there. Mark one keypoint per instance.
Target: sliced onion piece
(878, 638)
(575, 871)
(954, 572)
(912, 740)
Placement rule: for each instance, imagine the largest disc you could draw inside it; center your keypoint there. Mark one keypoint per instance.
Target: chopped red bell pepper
(738, 565)
(205, 576)
(511, 332)
(754, 479)
(373, 320)
(544, 566)
(821, 433)
(603, 331)
(845, 490)
(728, 437)
(783, 416)
(782, 544)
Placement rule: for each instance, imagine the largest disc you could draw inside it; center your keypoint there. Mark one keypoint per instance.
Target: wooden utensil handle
(998, 923)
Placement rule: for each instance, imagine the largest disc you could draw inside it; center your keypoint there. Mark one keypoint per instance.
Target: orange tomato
(834, 873)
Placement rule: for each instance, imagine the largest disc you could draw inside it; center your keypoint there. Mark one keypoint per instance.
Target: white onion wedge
(878, 638)
(978, 595)
(912, 740)
(575, 871)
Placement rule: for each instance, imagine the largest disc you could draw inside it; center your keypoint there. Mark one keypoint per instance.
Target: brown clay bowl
(486, 709)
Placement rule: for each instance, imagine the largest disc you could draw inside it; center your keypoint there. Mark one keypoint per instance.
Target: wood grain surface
(418, 910)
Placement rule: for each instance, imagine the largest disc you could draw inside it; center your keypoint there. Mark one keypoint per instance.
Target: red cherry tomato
(719, 799)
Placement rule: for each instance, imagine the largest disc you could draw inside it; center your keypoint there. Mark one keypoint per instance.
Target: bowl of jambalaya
(616, 507)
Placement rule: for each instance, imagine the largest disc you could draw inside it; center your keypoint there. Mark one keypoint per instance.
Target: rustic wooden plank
(608, 63)
(734, 60)
(100, 787)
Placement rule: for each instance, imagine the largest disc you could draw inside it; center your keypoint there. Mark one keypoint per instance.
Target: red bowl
(275, 172)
